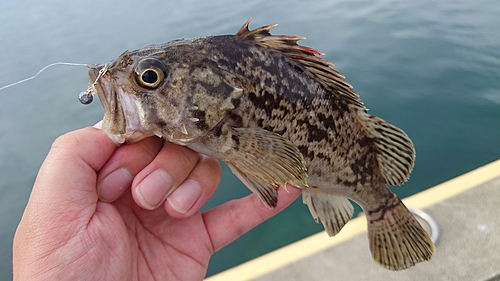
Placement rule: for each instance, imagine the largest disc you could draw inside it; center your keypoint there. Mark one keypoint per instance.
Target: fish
(276, 113)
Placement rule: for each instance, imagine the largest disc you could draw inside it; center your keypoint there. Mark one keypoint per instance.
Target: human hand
(153, 231)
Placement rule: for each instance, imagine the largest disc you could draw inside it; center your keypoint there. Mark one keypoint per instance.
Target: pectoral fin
(266, 192)
(264, 161)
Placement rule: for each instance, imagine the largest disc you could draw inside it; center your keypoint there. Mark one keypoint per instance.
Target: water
(429, 67)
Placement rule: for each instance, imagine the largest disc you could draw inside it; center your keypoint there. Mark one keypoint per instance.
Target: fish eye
(150, 73)
(150, 77)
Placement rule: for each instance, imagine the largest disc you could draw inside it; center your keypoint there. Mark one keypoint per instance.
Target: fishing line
(85, 97)
(41, 70)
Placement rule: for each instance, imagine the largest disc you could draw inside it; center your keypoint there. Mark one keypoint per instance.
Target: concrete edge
(320, 241)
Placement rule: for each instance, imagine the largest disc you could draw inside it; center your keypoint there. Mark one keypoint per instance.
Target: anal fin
(333, 210)
(397, 240)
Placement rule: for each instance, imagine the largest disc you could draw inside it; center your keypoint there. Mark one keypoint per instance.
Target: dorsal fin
(317, 68)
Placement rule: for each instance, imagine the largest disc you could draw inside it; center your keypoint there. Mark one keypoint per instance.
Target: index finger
(227, 222)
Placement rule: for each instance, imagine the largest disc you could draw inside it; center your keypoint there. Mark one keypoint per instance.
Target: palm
(149, 244)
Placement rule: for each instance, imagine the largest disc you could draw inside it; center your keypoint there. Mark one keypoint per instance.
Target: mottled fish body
(276, 113)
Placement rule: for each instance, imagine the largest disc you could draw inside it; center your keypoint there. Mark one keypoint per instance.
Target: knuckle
(183, 156)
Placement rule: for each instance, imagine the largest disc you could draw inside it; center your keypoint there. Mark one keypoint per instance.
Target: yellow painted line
(454, 186)
(290, 253)
(320, 241)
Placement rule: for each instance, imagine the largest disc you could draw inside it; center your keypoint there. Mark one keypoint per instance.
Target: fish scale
(276, 113)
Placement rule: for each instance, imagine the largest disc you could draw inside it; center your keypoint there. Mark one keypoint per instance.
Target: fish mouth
(114, 121)
(121, 120)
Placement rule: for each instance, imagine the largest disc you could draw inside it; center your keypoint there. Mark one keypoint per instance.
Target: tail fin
(397, 240)
(333, 210)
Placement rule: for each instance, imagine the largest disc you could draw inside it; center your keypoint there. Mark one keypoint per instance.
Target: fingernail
(184, 197)
(113, 185)
(152, 191)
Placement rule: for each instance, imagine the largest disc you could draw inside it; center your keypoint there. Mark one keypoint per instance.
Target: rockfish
(276, 113)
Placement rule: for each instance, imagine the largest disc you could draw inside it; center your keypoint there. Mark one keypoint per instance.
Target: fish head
(164, 90)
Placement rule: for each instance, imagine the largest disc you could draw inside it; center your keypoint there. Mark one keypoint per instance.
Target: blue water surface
(429, 67)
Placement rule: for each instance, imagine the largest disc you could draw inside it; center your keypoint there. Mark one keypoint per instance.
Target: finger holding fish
(117, 175)
(195, 191)
(162, 174)
(158, 170)
(177, 177)
(230, 220)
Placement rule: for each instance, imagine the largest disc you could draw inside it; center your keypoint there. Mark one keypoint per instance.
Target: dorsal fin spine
(317, 68)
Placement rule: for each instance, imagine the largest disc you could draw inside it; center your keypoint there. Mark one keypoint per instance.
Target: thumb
(63, 198)
(67, 179)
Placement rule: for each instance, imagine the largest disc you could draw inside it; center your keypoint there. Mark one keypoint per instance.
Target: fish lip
(114, 122)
